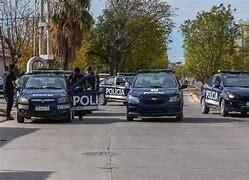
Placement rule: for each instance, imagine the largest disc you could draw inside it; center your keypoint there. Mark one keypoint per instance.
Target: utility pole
(42, 24)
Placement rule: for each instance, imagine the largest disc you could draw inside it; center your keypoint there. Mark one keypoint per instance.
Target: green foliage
(71, 20)
(133, 34)
(208, 41)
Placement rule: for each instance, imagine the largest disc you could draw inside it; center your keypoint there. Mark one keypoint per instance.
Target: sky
(186, 9)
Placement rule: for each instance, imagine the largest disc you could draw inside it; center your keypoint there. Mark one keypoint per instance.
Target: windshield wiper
(50, 87)
(33, 87)
(155, 86)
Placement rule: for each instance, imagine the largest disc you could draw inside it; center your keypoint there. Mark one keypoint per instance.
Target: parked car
(227, 91)
(115, 88)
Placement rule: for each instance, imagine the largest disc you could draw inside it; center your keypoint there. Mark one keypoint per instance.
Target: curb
(195, 97)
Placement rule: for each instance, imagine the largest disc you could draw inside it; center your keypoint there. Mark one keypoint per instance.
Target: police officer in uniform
(76, 76)
(9, 87)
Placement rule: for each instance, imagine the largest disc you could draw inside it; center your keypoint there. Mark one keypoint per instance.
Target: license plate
(42, 108)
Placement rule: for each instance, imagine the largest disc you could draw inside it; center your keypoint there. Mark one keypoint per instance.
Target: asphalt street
(105, 146)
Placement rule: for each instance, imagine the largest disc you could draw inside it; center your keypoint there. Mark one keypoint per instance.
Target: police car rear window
(155, 80)
(236, 81)
(45, 83)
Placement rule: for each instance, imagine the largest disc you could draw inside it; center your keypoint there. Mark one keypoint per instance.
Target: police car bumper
(171, 109)
(60, 111)
(237, 106)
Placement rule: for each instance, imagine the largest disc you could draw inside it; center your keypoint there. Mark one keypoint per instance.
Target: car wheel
(129, 118)
(69, 117)
(243, 113)
(179, 117)
(204, 107)
(102, 99)
(223, 110)
(20, 119)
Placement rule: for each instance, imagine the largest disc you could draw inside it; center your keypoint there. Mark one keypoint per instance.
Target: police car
(44, 95)
(227, 91)
(155, 93)
(115, 88)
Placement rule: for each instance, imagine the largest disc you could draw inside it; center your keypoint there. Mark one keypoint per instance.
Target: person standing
(9, 88)
(91, 77)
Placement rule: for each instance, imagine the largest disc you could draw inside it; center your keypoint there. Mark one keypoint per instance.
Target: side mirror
(18, 88)
(184, 86)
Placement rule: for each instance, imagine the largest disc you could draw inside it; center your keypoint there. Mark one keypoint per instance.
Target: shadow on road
(193, 120)
(8, 134)
(24, 175)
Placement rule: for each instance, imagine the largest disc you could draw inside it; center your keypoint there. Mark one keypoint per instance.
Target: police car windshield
(45, 83)
(236, 81)
(156, 80)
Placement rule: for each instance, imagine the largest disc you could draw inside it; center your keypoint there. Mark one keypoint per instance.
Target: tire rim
(202, 105)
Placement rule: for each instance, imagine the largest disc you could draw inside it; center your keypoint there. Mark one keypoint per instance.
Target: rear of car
(44, 96)
(155, 93)
(227, 92)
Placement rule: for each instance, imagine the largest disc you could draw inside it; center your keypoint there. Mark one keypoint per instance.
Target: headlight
(174, 98)
(23, 100)
(132, 99)
(63, 100)
(232, 96)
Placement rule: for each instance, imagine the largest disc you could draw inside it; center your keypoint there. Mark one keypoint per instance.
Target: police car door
(211, 96)
(217, 90)
(122, 88)
(109, 87)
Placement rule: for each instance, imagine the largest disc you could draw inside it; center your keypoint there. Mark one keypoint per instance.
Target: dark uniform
(9, 91)
(91, 78)
(73, 79)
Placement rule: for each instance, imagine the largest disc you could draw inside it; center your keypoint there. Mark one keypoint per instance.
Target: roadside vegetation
(127, 36)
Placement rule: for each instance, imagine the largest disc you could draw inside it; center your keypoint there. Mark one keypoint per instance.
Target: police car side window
(211, 81)
(110, 81)
(217, 81)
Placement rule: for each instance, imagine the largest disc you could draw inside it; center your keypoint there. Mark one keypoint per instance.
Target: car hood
(154, 91)
(44, 93)
(241, 91)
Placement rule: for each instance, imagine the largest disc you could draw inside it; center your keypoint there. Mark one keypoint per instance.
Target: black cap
(11, 67)
(77, 70)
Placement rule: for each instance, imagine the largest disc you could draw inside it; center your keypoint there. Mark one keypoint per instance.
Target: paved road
(106, 146)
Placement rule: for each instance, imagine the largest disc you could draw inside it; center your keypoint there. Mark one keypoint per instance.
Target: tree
(17, 29)
(116, 34)
(71, 19)
(209, 40)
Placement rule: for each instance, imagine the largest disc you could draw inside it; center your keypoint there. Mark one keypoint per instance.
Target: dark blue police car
(227, 91)
(155, 93)
(115, 88)
(44, 95)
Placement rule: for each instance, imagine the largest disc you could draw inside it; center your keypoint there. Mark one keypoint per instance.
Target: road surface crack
(108, 149)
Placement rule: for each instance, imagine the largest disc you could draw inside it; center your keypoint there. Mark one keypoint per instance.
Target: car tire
(223, 110)
(20, 119)
(179, 117)
(243, 113)
(69, 117)
(129, 118)
(102, 99)
(204, 107)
